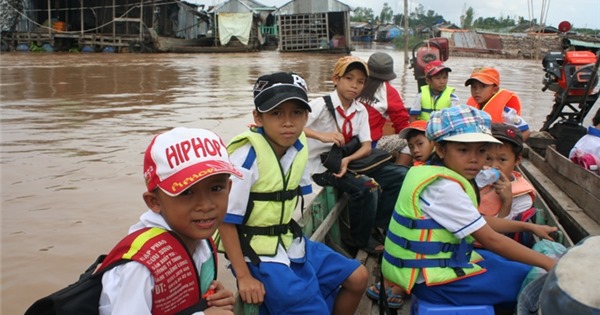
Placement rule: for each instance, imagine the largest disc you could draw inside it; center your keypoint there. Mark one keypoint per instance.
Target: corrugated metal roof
(241, 6)
(312, 6)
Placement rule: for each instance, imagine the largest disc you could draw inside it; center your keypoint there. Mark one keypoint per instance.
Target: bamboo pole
(49, 19)
(406, 32)
(81, 16)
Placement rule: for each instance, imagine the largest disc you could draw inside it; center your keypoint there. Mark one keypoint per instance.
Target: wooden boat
(572, 192)
(197, 45)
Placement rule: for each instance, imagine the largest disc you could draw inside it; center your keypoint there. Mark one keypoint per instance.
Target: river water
(74, 128)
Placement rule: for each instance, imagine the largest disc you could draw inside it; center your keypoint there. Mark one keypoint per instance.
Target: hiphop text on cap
(180, 152)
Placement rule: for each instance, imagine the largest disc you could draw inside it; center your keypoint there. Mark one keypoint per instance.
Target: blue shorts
(304, 288)
(499, 285)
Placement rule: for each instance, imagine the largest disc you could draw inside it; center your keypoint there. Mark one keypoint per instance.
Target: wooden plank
(588, 180)
(548, 217)
(575, 221)
(365, 305)
(580, 185)
(329, 221)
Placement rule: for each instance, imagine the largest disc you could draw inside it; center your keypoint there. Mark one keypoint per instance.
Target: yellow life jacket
(415, 244)
(490, 202)
(273, 197)
(495, 105)
(428, 105)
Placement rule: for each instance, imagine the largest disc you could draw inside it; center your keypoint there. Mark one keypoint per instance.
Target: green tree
(386, 13)
(466, 20)
(363, 14)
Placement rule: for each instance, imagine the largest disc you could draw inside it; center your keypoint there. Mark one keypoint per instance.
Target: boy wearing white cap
(172, 261)
(429, 247)
(275, 265)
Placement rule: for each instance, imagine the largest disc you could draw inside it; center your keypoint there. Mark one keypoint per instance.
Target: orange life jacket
(490, 202)
(495, 106)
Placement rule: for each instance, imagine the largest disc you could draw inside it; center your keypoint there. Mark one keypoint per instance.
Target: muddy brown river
(74, 128)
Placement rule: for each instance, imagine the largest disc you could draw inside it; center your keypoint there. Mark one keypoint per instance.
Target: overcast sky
(581, 13)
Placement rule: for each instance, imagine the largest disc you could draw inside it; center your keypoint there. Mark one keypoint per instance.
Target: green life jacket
(415, 244)
(428, 105)
(273, 197)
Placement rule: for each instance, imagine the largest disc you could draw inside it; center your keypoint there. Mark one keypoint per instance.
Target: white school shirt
(240, 190)
(320, 120)
(127, 289)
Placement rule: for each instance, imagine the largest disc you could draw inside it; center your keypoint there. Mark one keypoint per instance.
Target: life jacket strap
(427, 248)
(423, 263)
(281, 195)
(246, 233)
(420, 224)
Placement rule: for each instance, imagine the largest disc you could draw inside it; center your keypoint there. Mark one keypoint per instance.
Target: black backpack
(81, 297)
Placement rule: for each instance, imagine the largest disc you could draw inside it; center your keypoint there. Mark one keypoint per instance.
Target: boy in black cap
(512, 195)
(271, 259)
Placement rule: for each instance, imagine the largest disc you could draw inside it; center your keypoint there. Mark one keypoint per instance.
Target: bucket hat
(381, 66)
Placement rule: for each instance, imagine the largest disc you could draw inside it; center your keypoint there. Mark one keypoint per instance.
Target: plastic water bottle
(487, 176)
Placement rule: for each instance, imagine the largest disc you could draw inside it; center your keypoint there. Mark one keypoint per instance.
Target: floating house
(314, 25)
(362, 32)
(133, 25)
(388, 32)
(243, 23)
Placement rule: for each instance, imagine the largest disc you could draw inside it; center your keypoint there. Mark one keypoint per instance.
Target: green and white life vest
(428, 105)
(415, 244)
(273, 197)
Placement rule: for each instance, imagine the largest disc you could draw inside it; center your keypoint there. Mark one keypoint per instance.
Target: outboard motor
(573, 77)
(433, 49)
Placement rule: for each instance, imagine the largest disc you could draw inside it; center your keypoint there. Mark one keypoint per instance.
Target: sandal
(394, 300)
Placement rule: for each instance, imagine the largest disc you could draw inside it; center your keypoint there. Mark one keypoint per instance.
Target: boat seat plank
(572, 171)
(571, 216)
(571, 179)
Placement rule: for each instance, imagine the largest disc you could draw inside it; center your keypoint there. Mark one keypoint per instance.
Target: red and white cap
(179, 158)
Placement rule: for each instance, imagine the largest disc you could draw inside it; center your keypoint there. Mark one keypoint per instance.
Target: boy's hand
(251, 290)
(343, 168)
(543, 231)
(218, 296)
(503, 187)
(332, 137)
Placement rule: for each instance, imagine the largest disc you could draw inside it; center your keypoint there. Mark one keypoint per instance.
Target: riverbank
(514, 45)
